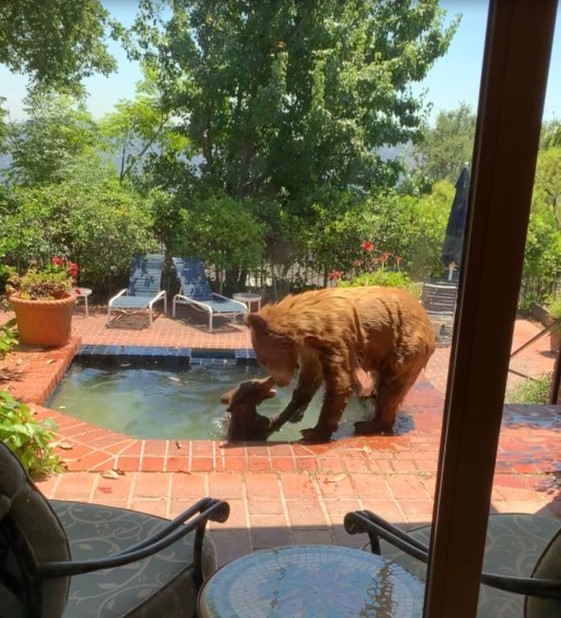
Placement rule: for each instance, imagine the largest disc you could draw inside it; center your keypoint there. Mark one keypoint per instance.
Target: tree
(542, 258)
(445, 148)
(57, 43)
(547, 184)
(282, 98)
(97, 222)
(54, 141)
(223, 232)
(140, 130)
(551, 134)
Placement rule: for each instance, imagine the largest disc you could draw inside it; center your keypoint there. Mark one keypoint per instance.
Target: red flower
(334, 275)
(57, 261)
(72, 269)
(368, 246)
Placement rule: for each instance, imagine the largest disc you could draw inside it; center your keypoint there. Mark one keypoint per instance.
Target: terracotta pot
(45, 323)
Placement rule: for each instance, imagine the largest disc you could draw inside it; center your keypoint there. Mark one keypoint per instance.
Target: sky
(454, 78)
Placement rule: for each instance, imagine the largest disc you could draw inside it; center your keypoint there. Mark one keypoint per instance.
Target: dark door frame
(515, 69)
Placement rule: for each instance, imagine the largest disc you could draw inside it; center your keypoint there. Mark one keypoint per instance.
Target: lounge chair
(144, 288)
(439, 300)
(195, 290)
(129, 563)
(522, 561)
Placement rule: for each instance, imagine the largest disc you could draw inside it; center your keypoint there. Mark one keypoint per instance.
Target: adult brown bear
(331, 333)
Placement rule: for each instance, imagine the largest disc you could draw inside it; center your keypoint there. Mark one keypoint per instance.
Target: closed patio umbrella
(454, 239)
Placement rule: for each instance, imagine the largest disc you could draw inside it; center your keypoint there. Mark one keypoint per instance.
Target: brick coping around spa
(87, 447)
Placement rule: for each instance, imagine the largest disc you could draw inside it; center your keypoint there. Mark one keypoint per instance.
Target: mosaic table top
(312, 581)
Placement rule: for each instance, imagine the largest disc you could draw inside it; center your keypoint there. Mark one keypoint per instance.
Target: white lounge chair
(144, 289)
(195, 290)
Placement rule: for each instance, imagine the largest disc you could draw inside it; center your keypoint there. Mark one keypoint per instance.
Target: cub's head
(249, 394)
(245, 423)
(275, 352)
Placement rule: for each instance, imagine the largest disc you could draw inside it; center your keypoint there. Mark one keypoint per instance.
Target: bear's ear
(268, 391)
(227, 397)
(255, 321)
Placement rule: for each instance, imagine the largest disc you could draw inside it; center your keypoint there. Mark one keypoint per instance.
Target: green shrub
(29, 438)
(8, 337)
(386, 278)
(532, 390)
(553, 306)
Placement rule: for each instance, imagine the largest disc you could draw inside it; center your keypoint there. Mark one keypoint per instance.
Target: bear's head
(275, 352)
(245, 423)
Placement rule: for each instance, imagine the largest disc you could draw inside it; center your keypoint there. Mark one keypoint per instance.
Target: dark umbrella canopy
(454, 238)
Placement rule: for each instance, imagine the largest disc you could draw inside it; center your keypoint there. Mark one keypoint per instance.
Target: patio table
(311, 581)
(248, 298)
(84, 293)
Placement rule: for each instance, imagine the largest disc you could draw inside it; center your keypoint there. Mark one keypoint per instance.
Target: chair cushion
(162, 585)
(547, 567)
(197, 291)
(28, 520)
(148, 285)
(514, 544)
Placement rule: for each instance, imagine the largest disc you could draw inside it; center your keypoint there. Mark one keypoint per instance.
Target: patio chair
(144, 288)
(439, 300)
(195, 290)
(522, 562)
(62, 558)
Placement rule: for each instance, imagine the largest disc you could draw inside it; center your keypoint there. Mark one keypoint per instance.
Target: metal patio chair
(522, 562)
(72, 559)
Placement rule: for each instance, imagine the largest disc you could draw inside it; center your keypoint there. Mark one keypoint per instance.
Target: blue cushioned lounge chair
(144, 288)
(195, 290)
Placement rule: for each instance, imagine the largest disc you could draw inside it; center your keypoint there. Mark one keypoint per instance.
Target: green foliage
(542, 258)
(448, 145)
(551, 134)
(223, 232)
(27, 437)
(54, 142)
(100, 222)
(383, 277)
(8, 337)
(412, 228)
(547, 184)
(533, 390)
(333, 239)
(56, 45)
(139, 131)
(286, 97)
(55, 280)
(553, 306)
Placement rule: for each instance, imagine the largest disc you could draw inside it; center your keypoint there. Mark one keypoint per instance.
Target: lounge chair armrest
(161, 294)
(122, 292)
(182, 298)
(193, 518)
(376, 527)
(243, 306)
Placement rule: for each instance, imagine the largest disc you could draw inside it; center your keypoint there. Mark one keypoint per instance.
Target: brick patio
(284, 493)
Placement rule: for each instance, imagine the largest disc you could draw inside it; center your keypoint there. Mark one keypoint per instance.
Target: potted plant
(42, 300)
